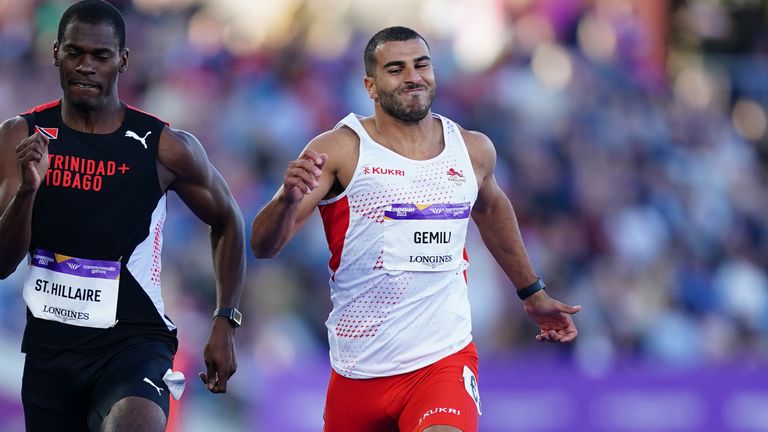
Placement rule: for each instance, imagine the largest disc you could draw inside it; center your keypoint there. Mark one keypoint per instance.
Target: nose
(85, 66)
(412, 75)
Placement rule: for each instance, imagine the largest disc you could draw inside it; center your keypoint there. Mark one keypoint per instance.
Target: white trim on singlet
(358, 129)
(353, 122)
(144, 263)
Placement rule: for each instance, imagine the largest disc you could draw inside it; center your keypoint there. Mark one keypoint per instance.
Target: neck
(415, 140)
(101, 119)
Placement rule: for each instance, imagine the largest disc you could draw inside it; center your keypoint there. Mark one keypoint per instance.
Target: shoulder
(12, 131)
(341, 145)
(180, 151)
(178, 137)
(178, 140)
(335, 139)
(480, 148)
(16, 124)
(474, 140)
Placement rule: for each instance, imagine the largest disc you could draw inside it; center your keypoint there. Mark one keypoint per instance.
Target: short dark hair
(94, 12)
(389, 34)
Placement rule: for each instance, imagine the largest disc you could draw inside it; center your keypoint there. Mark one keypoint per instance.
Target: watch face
(232, 314)
(236, 317)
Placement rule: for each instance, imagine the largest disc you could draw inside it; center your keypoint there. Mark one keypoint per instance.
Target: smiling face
(403, 83)
(89, 59)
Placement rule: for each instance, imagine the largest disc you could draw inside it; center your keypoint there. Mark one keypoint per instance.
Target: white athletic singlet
(396, 237)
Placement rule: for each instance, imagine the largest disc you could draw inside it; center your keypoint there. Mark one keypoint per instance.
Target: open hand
(553, 318)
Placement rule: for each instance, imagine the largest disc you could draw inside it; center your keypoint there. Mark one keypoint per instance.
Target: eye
(102, 55)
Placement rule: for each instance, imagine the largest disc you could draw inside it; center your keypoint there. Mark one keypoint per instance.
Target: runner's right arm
(23, 164)
(307, 180)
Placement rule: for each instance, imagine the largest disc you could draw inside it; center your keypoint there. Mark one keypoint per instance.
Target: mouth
(414, 90)
(84, 85)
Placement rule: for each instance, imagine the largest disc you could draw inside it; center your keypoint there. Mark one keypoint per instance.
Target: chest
(388, 179)
(99, 163)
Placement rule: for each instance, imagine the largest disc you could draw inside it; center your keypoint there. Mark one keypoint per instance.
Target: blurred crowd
(635, 158)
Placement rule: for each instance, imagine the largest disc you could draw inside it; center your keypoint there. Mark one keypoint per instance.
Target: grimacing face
(89, 60)
(404, 85)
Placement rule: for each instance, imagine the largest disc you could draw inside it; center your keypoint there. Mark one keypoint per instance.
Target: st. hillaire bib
(74, 291)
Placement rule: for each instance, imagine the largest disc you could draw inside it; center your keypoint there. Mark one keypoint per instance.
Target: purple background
(529, 393)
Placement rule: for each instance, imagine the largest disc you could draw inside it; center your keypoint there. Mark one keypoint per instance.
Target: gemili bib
(396, 237)
(97, 220)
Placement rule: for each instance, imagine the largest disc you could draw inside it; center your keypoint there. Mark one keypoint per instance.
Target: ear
(56, 53)
(370, 86)
(124, 59)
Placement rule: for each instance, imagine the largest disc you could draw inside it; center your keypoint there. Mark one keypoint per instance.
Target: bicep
(208, 198)
(332, 175)
(490, 199)
(195, 180)
(483, 157)
(492, 203)
(12, 132)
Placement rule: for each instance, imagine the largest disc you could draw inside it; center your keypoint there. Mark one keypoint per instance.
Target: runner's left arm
(496, 220)
(205, 192)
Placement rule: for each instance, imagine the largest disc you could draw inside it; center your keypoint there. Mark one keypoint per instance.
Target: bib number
(74, 291)
(425, 237)
(470, 385)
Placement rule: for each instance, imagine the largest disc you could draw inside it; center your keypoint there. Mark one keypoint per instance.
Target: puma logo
(142, 140)
(148, 381)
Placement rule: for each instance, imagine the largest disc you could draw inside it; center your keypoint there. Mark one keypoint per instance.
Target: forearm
(228, 248)
(501, 235)
(273, 227)
(227, 245)
(15, 231)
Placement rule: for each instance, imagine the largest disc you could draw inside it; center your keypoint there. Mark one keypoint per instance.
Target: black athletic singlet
(100, 200)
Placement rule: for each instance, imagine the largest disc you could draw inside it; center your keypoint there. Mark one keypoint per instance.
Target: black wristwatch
(232, 314)
(531, 289)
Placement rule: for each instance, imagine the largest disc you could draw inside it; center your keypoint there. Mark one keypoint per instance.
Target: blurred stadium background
(632, 141)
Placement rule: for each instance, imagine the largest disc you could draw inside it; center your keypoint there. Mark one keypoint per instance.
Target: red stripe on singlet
(336, 223)
(466, 258)
(43, 107)
(147, 113)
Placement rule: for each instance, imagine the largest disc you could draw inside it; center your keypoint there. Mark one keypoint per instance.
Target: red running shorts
(443, 393)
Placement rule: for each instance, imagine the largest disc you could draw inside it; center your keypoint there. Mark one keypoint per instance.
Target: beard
(403, 110)
(84, 104)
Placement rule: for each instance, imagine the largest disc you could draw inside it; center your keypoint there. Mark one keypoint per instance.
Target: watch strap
(531, 289)
(232, 314)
